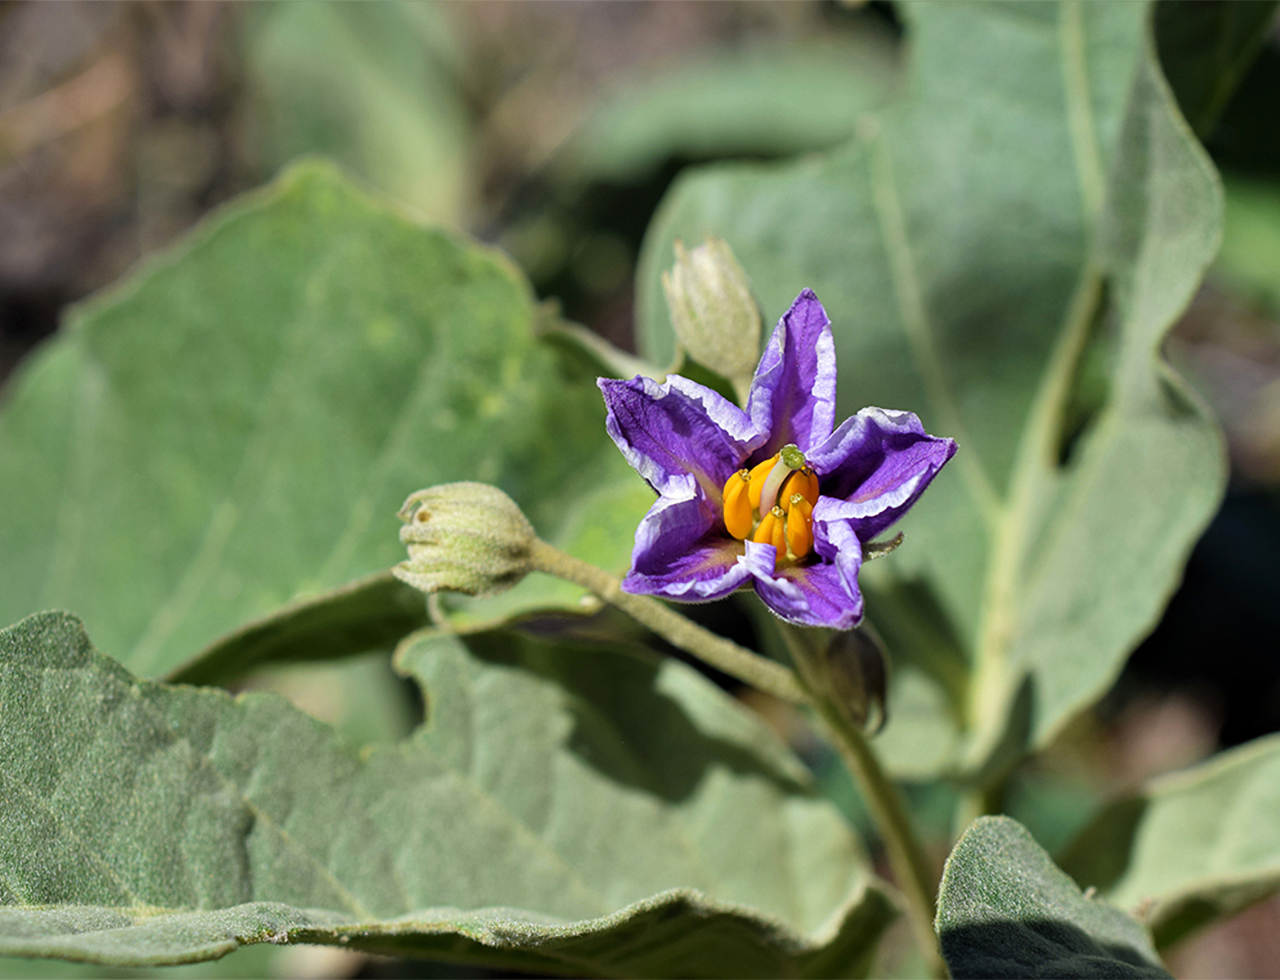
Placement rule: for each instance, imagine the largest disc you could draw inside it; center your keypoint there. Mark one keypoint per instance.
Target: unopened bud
(464, 537)
(715, 318)
(856, 677)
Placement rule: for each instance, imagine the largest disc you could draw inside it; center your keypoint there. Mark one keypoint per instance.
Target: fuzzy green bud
(464, 537)
(715, 318)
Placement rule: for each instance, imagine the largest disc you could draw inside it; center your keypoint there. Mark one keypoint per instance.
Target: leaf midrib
(992, 687)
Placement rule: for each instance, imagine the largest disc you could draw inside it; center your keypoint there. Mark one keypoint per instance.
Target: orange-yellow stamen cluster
(772, 503)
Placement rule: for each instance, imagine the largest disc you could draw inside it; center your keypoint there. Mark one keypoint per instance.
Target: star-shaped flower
(773, 495)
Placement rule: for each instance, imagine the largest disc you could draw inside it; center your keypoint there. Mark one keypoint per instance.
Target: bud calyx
(464, 537)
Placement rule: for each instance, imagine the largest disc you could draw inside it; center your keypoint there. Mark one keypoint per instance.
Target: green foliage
(370, 86)
(756, 103)
(1191, 847)
(207, 462)
(564, 807)
(368, 614)
(1005, 910)
(234, 428)
(1249, 263)
(1205, 49)
(1002, 250)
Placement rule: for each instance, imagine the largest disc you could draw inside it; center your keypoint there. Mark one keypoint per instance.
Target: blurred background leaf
(753, 103)
(1190, 847)
(369, 85)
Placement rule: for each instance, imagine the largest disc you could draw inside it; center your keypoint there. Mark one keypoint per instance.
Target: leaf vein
(916, 325)
(101, 862)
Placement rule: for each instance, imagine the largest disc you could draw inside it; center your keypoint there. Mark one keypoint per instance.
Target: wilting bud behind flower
(857, 676)
(847, 669)
(714, 316)
(464, 537)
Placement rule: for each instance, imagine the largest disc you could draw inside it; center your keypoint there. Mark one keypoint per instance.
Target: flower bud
(847, 669)
(464, 537)
(715, 319)
(857, 675)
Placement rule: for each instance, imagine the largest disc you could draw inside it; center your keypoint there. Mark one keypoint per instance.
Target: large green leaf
(565, 808)
(369, 85)
(759, 102)
(235, 427)
(1190, 847)
(1002, 251)
(1005, 910)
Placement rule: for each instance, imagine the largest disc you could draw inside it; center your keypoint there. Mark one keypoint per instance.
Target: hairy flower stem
(907, 858)
(750, 668)
(910, 866)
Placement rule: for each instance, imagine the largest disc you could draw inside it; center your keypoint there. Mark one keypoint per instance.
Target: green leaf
(1003, 251)
(1205, 49)
(369, 85)
(1190, 847)
(1005, 910)
(565, 808)
(761, 102)
(251, 963)
(369, 614)
(1249, 263)
(234, 429)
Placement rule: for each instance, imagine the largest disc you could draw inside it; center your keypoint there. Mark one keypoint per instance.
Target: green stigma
(792, 457)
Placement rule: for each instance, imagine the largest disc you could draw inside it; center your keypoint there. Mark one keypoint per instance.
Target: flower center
(772, 503)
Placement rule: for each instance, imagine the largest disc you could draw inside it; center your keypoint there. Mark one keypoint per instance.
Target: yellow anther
(800, 526)
(758, 474)
(739, 515)
(803, 482)
(773, 530)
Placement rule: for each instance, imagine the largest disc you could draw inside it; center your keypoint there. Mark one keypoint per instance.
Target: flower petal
(681, 552)
(668, 430)
(807, 595)
(835, 541)
(874, 467)
(793, 394)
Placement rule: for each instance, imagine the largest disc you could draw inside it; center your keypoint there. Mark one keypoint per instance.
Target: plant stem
(911, 867)
(750, 668)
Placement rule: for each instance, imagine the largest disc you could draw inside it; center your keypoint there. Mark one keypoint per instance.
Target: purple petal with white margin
(874, 467)
(669, 430)
(680, 553)
(793, 394)
(836, 542)
(809, 595)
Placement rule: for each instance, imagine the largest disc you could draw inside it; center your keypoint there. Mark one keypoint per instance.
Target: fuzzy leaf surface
(573, 809)
(1005, 910)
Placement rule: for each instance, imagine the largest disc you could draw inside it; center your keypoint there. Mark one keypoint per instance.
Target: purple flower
(774, 495)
